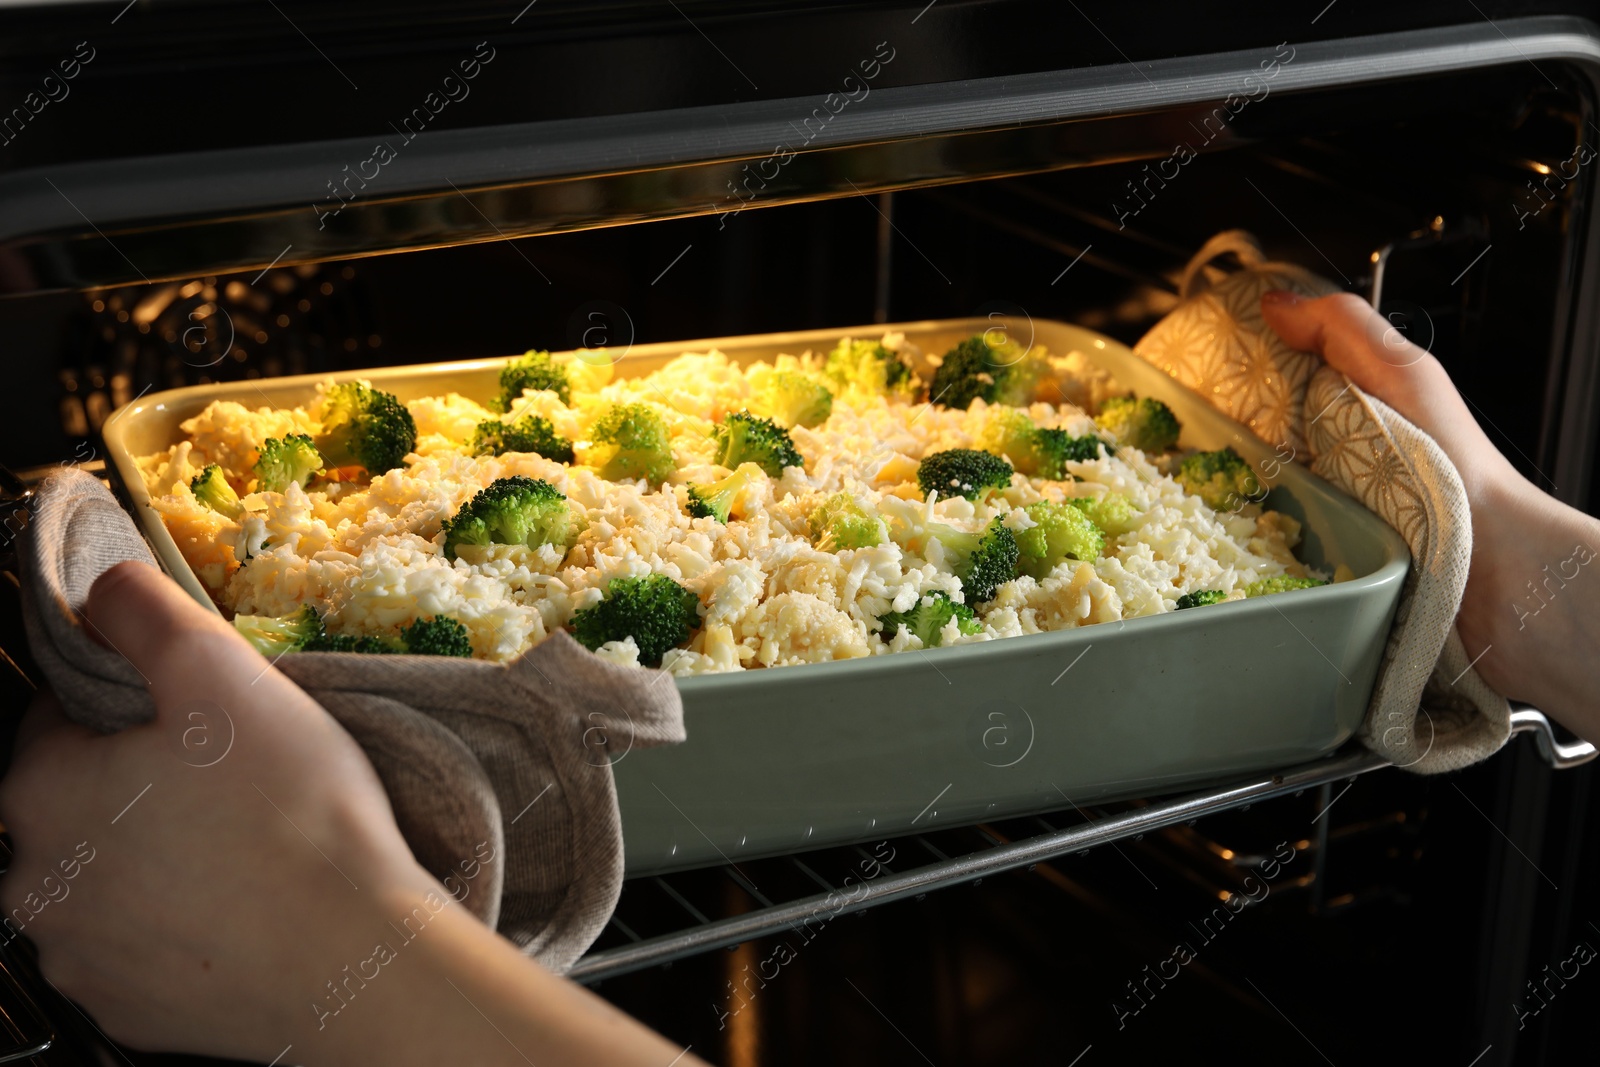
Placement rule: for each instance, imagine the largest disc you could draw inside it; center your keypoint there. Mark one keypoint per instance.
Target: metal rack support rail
(732, 931)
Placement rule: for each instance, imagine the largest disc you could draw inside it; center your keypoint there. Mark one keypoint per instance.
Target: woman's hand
(208, 884)
(228, 879)
(1528, 616)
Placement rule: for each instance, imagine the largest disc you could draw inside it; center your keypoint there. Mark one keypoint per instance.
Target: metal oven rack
(984, 851)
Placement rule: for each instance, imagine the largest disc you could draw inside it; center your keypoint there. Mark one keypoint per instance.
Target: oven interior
(1437, 894)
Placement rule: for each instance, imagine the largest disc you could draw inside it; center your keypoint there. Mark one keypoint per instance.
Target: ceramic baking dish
(796, 757)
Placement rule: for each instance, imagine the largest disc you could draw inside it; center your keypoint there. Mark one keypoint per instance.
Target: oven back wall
(73, 358)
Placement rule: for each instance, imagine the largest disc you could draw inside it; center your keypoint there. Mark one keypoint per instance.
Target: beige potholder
(504, 761)
(1430, 711)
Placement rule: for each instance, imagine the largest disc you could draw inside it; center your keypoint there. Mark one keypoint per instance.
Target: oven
(199, 192)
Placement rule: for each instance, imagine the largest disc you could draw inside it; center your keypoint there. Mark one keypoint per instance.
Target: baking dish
(797, 757)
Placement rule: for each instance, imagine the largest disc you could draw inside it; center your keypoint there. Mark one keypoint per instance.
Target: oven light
(1541, 168)
(1227, 853)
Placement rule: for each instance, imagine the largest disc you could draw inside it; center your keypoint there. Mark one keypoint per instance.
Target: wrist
(370, 885)
(1521, 613)
(346, 1002)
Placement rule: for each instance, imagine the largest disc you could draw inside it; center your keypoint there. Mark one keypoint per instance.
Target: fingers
(42, 717)
(1352, 337)
(47, 749)
(41, 725)
(1285, 312)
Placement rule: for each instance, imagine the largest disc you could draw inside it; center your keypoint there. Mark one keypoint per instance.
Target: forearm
(436, 986)
(1545, 618)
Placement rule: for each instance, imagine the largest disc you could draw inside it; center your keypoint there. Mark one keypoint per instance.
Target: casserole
(851, 750)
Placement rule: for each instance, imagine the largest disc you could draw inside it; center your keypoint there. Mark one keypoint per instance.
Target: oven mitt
(1430, 711)
(497, 773)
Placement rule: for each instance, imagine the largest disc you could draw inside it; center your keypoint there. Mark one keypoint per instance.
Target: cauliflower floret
(206, 538)
(1071, 595)
(171, 471)
(447, 423)
(1276, 534)
(624, 653)
(730, 589)
(800, 628)
(231, 434)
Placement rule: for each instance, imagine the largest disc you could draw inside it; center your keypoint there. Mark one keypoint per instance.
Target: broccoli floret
(535, 370)
(211, 488)
(366, 645)
(365, 427)
(1200, 598)
(304, 631)
(1281, 583)
(1112, 512)
(1056, 448)
(927, 619)
(841, 522)
(963, 472)
(868, 367)
(716, 499)
(1000, 374)
(272, 637)
(1035, 450)
(790, 398)
(531, 433)
(657, 612)
(512, 511)
(284, 460)
(438, 636)
(1222, 479)
(1022, 371)
(1144, 423)
(746, 438)
(1010, 433)
(983, 561)
(631, 441)
(1060, 532)
(968, 371)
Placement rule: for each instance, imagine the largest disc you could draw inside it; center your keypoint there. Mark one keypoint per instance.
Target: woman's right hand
(1528, 616)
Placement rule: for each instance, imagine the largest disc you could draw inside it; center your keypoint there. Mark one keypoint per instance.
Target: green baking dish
(798, 757)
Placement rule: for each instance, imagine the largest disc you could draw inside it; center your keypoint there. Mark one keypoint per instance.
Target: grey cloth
(475, 756)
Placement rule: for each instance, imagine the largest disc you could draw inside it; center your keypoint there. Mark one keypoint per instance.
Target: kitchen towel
(1430, 710)
(506, 761)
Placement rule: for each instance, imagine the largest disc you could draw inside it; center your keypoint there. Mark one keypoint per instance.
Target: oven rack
(992, 852)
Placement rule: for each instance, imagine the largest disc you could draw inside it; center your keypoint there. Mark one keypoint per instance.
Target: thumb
(182, 650)
(1289, 316)
(1351, 337)
(137, 611)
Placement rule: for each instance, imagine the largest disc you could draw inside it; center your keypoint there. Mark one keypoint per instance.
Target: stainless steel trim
(1559, 755)
(216, 211)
